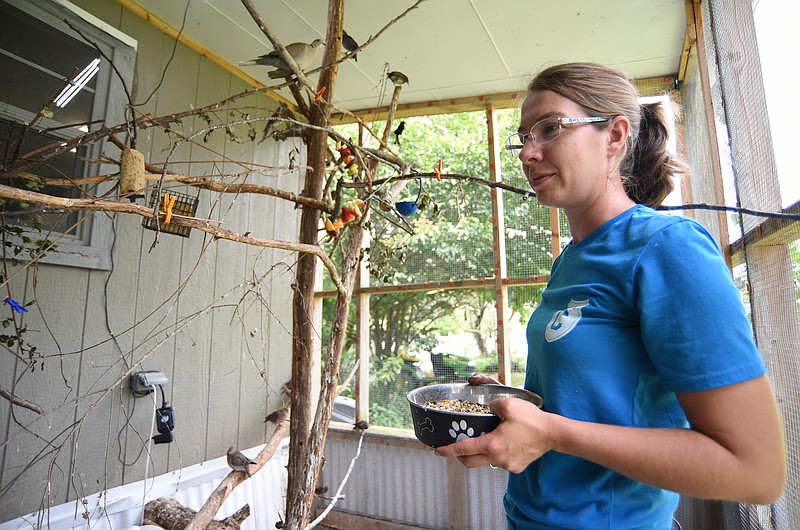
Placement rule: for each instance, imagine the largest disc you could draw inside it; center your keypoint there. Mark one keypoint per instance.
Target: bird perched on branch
(238, 462)
(302, 53)
(398, 78)
(398, 132)
(349, 44)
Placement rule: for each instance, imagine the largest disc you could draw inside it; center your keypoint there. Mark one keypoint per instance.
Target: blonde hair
(646, 167)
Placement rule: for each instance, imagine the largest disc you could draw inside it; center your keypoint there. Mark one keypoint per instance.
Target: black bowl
(436, 428)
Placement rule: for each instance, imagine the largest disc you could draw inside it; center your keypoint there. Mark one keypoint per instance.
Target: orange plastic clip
(169, 203)
(438, 170)
(319, 94)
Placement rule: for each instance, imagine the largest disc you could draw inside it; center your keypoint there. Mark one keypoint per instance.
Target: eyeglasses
(545, 131)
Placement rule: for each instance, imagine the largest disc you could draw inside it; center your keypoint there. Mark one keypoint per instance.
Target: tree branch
(62, 203)
(18, 401)
(206, 514)
(276, 43)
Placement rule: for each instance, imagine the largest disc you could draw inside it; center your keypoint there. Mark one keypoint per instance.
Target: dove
(349, 44)
(398, 78)
(302, 53)
(238, 462)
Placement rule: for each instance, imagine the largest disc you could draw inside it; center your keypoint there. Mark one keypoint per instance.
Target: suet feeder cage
(185, 205)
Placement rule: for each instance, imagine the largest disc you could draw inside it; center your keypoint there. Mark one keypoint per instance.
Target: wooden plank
(201, 50)
(713, 143)
(197, 260)
(505, 100)
(499, 249)
(482, 283)
(456, 495)
(348, 521)
(39, 449)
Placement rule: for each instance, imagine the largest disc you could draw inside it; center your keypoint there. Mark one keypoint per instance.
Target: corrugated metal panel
(485, 487)
(409, 485)
(121, 508)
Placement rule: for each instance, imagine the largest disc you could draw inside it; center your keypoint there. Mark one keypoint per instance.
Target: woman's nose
(530, 152)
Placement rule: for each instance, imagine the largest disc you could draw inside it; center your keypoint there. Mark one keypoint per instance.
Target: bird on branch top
(238, 461)
(398, 78)
(302, 53)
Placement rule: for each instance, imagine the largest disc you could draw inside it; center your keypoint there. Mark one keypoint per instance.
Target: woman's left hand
(525, 433)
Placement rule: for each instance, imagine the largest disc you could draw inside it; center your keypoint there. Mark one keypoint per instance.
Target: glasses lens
(514, 143)
(546, 131)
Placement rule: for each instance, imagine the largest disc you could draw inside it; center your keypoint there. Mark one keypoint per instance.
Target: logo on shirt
(564, 320)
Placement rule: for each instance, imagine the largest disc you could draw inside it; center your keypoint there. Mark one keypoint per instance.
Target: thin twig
(276, 43)
(338, 495)
(24, 403)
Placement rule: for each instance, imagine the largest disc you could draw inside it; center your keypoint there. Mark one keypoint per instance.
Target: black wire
(163, 399)
(721, 208)
(166, 67)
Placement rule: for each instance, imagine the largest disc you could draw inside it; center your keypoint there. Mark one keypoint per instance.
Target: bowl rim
(455, 413)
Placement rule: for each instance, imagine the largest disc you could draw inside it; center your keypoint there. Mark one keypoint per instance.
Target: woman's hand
(525, 433)
(481, 379)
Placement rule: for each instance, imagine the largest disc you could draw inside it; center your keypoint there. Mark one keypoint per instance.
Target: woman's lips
(538, 178)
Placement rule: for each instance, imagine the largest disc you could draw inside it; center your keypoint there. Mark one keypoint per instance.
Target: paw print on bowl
(461, 431)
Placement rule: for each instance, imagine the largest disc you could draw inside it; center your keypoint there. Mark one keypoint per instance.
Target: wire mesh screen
(766, 246)
(422, 338)
(431, 245)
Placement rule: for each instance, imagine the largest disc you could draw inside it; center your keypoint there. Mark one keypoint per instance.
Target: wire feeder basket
(185, 205)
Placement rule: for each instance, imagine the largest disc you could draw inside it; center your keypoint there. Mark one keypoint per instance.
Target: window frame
(91, 247)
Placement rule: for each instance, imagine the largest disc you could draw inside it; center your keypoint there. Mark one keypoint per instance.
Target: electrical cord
(148, 446)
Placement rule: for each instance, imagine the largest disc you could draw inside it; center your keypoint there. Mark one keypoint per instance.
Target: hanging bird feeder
(176, 203)
(408, 208)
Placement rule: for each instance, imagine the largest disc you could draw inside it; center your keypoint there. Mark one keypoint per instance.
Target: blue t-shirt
(642, 308)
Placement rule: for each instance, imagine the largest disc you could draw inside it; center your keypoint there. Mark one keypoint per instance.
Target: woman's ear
(619, 130)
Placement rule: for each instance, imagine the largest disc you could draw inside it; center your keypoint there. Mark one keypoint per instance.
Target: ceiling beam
(650, 86)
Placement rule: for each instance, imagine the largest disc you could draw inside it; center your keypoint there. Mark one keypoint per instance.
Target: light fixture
(77, 84)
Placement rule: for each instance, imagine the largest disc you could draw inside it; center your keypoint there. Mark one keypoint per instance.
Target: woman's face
(572, 171)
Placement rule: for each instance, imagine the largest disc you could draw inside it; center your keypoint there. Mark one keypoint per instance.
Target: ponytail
(648, 168)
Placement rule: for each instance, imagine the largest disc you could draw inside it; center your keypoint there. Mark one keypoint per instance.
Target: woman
(640, 347)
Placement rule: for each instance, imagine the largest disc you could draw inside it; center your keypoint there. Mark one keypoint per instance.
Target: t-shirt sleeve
(693, 322)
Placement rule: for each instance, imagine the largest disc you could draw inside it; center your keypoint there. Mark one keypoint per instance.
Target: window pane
(35, 59)
(66, 165)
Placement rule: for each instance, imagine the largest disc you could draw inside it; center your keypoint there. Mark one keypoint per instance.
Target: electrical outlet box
(145, 382)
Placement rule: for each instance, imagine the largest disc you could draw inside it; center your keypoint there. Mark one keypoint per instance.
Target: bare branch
(276, 43)
(203, 225)
(18, 401)
(234, 478)
(338, 495)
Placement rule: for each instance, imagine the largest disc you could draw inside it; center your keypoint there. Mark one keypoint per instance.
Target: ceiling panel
(448, 48)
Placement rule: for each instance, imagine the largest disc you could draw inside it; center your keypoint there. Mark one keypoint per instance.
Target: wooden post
(498, 236)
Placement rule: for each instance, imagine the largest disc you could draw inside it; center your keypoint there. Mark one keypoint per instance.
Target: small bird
(278, 415)
(349, 44)
(238, 462)
(398, 132)
(398, 78)
(302, 53)
(360, 425)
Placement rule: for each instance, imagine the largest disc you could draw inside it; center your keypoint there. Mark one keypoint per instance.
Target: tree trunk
(299, 495)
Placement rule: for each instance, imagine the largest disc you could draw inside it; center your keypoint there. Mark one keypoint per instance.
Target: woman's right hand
(481, 379)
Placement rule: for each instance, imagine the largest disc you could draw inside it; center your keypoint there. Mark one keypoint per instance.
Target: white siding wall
(226, 364)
